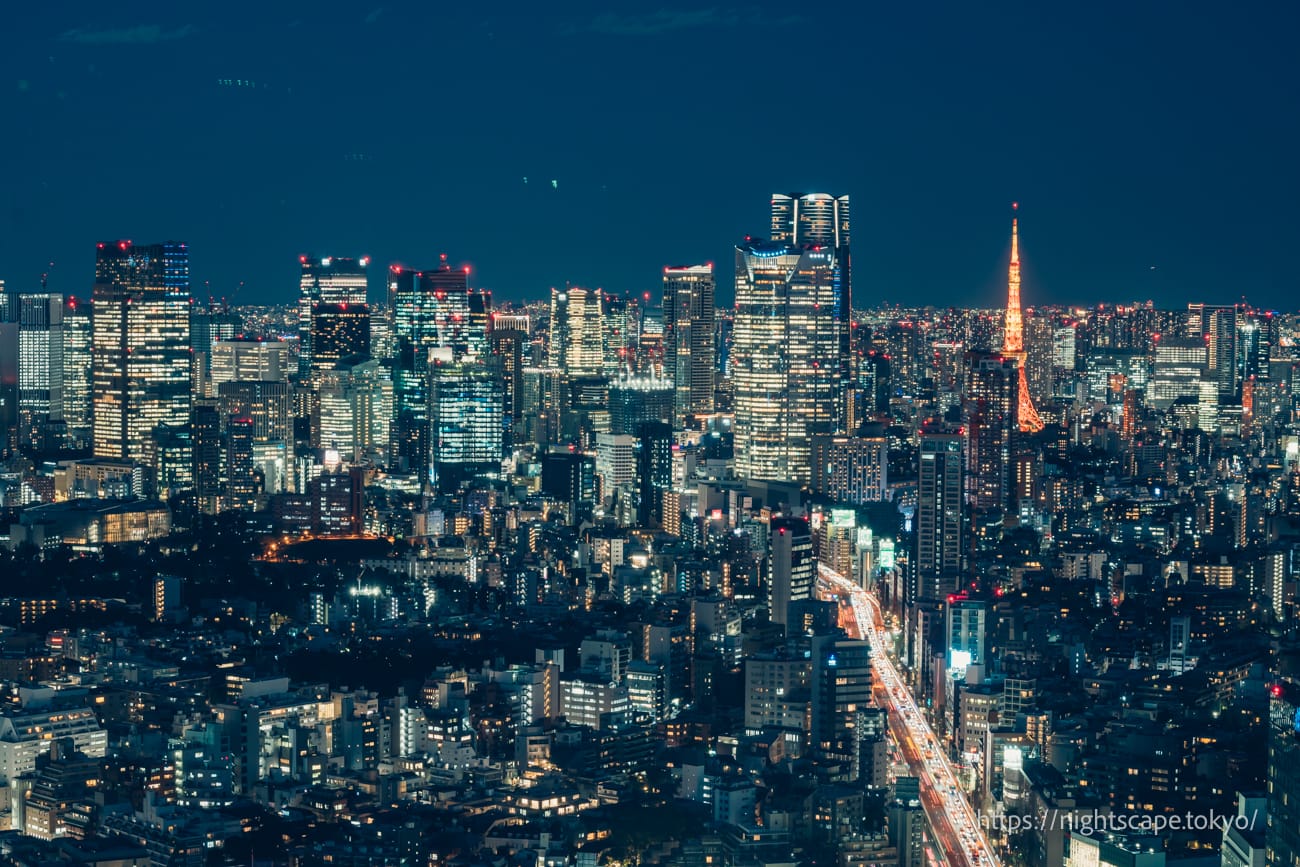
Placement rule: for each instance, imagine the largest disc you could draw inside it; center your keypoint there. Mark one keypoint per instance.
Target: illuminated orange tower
(1013, 334)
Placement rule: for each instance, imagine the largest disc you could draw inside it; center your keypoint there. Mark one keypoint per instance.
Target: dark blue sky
(1153, 146)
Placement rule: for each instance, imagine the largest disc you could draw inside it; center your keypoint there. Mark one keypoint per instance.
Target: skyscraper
(207, 326)
(467, 428)
(1283, 838)
(938, 513)
(338, 331)
(431, 323)
(991, 407)
(270, 406)
(820, 221)
(654, 468)
(242, 479)
(40, 371)
(1217, 326)
(77, 335)
(1013, 338)
(792, 567)
(688, 338)
(206, 448)
(327, 280)
(140, 345)
(620, 320)
(581, 333)
(507, 338)
(355, 409)
(786, 355)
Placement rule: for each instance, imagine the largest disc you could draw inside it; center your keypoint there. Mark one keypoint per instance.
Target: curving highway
(955, 824)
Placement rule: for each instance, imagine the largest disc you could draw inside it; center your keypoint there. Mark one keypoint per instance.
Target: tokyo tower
(1013, 334)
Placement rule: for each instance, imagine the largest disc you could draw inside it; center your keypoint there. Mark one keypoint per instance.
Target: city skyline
(499, 447)
(1105, 133)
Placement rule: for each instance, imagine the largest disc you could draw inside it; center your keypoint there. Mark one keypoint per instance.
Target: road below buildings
(951, 816)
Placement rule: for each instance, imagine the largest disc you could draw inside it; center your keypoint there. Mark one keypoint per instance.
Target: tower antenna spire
(1013, 334)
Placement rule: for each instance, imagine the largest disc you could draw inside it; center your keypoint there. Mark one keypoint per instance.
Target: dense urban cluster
(621, 578)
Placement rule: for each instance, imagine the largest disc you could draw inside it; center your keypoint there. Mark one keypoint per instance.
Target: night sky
(1153, 146)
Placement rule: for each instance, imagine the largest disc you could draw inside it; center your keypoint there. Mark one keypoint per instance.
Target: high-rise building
(689, 330)
(207, 326)
(650, 343)
(1217, 326)
(635, 400)
(40, 371)
(820, 221)
(467, 423)
(248, 360)
(327, 280)
(992, 384)
(1179, 367)
(654, 471)
(270, 407)
(569, 478)
(577, 331)
(140, 345)
(938, 513)
(1283, 838)
(792, 568)
(786, 364)
(620, 320)
(507, 338)
(851, 469)
(479, 322)
(967, 625)
(77, 335)
(432, 312)
(841, 693)
(355, 410)
(243, 483)
(338, 331)
(206, 447)
(432, 323)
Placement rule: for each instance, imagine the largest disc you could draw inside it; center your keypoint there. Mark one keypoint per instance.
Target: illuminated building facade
(786, 356)
(269, 406)
(939, 513)
(77, 335)
(327, 280)
(338, 331)
(992, 388)
(578, 330)
(1179, 367)
(689, 328)
(792, 568)
(620, 320)
(140, 377)
(431, 323)
(635, 400)
(851, 469)
(355, 410)
(820, 221)
(1283, 838)
(1216, 325)
(507, 340)
(248, 360)
(40, 371)
(467, 422)
(206, 328)
(242, 479)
